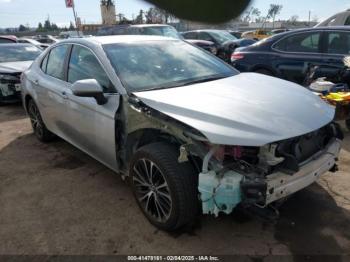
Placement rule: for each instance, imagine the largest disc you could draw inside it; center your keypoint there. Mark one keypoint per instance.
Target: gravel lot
(55, 200)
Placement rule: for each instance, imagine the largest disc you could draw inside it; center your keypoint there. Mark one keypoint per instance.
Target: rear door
(51, 89)
(337, 47)
(90, 126)
(295, 53)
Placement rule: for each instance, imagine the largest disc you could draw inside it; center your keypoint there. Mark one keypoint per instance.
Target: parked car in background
(287, 55)
(236, 34)
(179, 123)
(240, 43)
(46, 39)
(206, 45)
(340, 19)
(142, 29)
(154, 29)
(33, 42)
(256, 34)
(278, 31)
(14, 59)
(8, 39)
(223, 40)
(70, 34)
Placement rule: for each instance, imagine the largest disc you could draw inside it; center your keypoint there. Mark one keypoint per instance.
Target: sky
(16, 12)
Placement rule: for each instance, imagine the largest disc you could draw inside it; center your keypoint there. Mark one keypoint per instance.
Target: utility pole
(70, 4)
(76, 20)
(309, 18)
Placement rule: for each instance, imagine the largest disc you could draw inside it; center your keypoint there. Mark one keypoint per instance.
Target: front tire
(165, 190)
(39, 128)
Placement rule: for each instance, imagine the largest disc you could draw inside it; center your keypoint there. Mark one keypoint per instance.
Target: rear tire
(264, 72)
(39, 128)
(165, 190)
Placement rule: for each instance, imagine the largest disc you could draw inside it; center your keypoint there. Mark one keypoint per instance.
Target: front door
(91, 127)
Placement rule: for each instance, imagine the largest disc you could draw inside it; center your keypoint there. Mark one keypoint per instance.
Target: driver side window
(83, 64)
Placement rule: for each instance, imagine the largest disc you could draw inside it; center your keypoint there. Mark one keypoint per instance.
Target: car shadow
(312, 224)
(11, 112)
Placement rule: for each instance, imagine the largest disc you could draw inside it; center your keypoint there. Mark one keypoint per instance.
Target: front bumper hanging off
(280, 185)
(222, 193)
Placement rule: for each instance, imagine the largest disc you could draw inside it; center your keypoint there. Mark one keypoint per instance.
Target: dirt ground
(55, 200)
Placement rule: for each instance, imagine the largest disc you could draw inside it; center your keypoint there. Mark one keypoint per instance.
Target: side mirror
(89, 88)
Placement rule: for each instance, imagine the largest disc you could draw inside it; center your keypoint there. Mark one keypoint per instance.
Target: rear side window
(84, 65)
(44, 63)
(190, 35)
(55, 63)
(339, 43)
(347, 21)
(300, 43)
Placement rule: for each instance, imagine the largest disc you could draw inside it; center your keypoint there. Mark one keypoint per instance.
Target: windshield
(17, 52)
(222, 36)
(160, 30)
(164, 64)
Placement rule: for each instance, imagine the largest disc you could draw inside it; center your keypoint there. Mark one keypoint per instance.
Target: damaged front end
(10, 87)
(259, 176)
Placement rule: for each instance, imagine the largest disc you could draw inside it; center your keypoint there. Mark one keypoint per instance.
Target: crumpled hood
(248, 109)
(14, 67)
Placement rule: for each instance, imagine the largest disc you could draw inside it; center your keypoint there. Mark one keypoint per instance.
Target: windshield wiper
(208, 79)
(202, 80)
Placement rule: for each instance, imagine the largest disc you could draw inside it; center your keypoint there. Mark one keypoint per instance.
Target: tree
(274, 11)
(40, 27)
(47, 24)
(250, 14)
(293, 19)
(54, 27)
(139, 18)
(157, 15)
(152, 16)
(22, 28)
(71, 26)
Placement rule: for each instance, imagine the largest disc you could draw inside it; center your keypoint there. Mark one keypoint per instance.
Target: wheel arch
(27, 98)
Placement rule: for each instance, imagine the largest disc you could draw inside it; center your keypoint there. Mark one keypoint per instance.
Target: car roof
(16, 45)
(114, 39)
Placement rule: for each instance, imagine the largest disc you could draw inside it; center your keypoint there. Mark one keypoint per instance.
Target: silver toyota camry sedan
(188, 131)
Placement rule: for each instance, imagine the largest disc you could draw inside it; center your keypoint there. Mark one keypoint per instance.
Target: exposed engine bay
(10, 86)
(251, 176)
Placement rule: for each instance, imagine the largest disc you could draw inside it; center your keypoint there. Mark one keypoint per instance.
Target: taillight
(236, 56)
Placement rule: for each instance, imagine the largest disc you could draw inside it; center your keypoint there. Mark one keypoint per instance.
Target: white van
(340, 19)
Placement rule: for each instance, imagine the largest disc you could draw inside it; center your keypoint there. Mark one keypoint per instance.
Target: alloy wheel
(35, 119)
(152, 190)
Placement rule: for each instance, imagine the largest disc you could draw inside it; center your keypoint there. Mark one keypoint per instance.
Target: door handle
(36, 81)
(64, 95)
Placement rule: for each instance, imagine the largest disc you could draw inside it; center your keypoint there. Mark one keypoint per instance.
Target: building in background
(108, 12)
